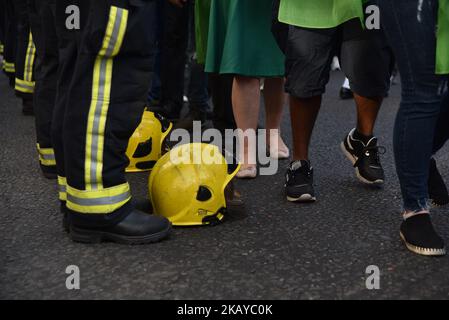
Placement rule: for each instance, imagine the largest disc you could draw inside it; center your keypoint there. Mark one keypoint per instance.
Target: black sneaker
(365, 158)
(299, 182)
(420, 237)
(438, 193)
(346, 93)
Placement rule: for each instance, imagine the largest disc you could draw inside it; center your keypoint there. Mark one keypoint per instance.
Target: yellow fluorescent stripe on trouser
(62, 188)
(46, 156)
(29, 60)
(24, 86)
(102, 201)
(101, 93)
(9, 66)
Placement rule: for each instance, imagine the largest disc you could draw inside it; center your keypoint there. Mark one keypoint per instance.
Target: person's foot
(365, 158)
(438, 193)
(299, 182)
(27, 107)
(277, 148)
(137, 228)
(420, 237)
(346, 93)
(247, 172)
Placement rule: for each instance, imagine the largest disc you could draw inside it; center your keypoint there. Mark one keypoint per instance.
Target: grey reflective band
(24, 86)
(100, 99)
(47, 156)
(62, 188)
(99, 201)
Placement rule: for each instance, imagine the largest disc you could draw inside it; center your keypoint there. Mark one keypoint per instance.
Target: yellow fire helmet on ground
(146, 145)
(187, 185)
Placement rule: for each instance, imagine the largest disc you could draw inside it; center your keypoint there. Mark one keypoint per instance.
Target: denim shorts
(365, 58)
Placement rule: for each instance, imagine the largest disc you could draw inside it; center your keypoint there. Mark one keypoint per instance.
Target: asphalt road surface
(271, 250)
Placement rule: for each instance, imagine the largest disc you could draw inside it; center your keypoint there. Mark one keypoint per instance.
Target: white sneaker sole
(303, 198)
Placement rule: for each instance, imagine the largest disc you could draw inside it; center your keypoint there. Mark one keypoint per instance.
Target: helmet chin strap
(214, 220)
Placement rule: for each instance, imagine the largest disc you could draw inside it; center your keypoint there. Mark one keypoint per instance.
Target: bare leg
(246, 104)
(304, 112)
(275, 97)
(367, 111)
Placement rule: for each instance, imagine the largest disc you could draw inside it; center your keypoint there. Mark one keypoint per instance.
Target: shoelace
(371, 155)
(293, 173)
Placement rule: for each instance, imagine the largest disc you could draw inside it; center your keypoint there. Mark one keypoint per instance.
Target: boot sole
(89, 236)
(353, 160)
(423, 251)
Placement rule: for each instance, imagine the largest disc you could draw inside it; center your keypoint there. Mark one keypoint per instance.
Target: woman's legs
(421, 95)
(442, 128)
(409, 25)
(246, 104)
(274, 97)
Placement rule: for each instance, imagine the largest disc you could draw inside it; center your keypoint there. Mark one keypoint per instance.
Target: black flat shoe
(420, 237)
(438, 193)
(137, 228)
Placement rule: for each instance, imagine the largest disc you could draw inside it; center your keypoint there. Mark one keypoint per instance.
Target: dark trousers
(42, 21)
(173, 54)
(2, 25)
(25, 52)
(221, 89)
(10, 39)
(177, 48)
(106, 97)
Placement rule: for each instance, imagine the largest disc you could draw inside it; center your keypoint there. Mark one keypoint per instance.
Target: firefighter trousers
(42, 22)
(25, 52)
(10, 39)
(111, 59)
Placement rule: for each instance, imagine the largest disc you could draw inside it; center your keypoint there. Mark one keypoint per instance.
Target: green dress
(240, 39)
(442, 64)
(202, 11)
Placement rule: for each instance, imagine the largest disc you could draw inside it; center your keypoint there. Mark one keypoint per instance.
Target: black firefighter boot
(136, 228)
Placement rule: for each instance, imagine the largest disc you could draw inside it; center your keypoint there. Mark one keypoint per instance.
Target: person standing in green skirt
(240, 43)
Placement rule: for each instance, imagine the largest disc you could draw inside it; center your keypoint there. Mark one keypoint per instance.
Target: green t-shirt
(319, 13)
(442, 63)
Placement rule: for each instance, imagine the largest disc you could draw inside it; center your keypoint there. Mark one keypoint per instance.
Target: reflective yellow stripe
(102, 201)
(101, 93)
(24, 86)
(46, 156)
(62, 188)
(9, 66)
(29, 60)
